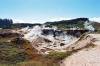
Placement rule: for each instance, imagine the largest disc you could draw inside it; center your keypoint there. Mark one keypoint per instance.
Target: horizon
(37, 11)
(95, 19)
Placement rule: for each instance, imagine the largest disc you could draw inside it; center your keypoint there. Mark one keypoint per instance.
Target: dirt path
(85, 57)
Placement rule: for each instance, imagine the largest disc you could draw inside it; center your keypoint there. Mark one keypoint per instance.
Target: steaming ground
(47, 42)
(46, 39)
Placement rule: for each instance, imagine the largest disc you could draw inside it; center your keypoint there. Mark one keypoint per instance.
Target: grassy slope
(19, 52)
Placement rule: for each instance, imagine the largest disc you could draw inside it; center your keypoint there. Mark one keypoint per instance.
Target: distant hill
(78, 22)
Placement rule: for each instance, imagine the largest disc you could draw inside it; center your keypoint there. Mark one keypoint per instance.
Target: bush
(56, 55)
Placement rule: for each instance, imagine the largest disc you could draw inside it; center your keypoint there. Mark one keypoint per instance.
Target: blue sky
(48, 10)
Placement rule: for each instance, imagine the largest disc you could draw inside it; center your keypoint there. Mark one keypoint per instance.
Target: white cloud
(58, 19)
(40, 21)
(18, 21)
(96, 19)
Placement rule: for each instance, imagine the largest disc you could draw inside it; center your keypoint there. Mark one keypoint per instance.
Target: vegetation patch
(15, 51)
(56, 55)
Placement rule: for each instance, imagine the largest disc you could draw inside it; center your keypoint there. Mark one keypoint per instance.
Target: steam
(33, 33)
(26, 29)
(88, 26)
(37, 38)
(37, 31)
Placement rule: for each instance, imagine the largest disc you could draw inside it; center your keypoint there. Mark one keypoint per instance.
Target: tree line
(6, 23)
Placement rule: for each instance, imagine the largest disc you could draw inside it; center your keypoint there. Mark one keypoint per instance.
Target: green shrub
(56, 55)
